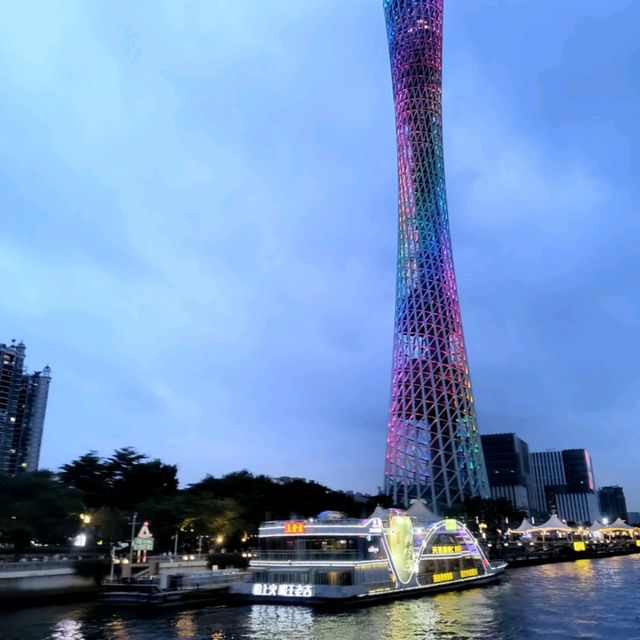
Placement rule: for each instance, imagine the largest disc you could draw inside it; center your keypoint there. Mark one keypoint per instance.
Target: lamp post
(133, 533)
(114, 561)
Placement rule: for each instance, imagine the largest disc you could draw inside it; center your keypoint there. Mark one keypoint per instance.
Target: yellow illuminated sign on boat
(579, 546)
(450, 524)
(446, 548)
(294, 527)
(468, 573)
(443, 577)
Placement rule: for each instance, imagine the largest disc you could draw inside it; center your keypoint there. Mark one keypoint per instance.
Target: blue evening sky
(199, 226)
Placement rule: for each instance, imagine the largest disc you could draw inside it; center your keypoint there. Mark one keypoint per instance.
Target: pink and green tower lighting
(433, 446)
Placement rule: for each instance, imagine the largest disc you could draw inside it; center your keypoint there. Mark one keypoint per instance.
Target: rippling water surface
(584, 599)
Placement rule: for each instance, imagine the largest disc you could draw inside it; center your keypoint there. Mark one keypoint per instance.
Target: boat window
(334, 578)
(281, 577)
(317, 547)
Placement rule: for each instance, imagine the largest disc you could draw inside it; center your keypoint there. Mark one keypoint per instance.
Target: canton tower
(433, 445)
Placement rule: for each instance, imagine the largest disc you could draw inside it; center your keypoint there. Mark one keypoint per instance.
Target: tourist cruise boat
(393, 553)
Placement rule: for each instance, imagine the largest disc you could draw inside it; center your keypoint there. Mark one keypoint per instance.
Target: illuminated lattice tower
(433, 446)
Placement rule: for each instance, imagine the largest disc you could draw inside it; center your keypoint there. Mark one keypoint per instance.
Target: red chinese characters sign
(294, 527)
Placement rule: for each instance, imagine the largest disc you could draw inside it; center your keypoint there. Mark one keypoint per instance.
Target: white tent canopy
(379, 512)
(524, 527)
(553, 523)
(596, 526)
(419, 512)
(618, 524)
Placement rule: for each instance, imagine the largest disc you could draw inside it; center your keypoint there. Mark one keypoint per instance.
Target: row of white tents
(555, 524)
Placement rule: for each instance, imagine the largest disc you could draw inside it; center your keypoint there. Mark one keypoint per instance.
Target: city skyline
(200, 229)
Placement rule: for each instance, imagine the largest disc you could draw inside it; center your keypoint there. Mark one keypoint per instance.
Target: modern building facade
(613, 504)
(578, 470)
(23, 405)
(433, 445)
(508, 468)
(634, 518)
(563, 483)
(547, 469)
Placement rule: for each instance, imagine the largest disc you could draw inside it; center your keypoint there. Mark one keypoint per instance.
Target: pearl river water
(596, 599)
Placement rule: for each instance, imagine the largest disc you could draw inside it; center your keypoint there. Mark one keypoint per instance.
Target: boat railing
(195, 580)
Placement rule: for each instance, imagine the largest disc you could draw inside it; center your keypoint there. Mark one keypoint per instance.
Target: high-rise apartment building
(612, 503)
(23, 404)
(563, 483)
(433, 445)
(508, 468)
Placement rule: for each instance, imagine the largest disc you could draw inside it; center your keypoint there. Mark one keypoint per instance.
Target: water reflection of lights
(118, 629)
(186, 626)
(584, 569)
(412, 619)
(67, 629)
(462, 612)
(285, 623)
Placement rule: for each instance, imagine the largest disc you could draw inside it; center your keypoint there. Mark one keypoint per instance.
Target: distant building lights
(80, 540)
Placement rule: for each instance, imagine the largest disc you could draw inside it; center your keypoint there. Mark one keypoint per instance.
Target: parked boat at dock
(168, 589)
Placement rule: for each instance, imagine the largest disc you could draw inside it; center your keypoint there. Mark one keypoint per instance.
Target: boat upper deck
(318, 527)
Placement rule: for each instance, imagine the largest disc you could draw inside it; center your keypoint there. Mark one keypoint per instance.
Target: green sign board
(450, 525)
(143, 544)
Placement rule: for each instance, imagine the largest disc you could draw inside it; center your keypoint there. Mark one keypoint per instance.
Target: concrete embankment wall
(44, 583)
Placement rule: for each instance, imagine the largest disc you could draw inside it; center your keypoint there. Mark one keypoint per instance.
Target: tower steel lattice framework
(433, 446)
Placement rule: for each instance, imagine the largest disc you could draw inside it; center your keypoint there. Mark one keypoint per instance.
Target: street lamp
(114, 560)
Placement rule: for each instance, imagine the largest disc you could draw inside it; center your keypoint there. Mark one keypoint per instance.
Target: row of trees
(99, 496)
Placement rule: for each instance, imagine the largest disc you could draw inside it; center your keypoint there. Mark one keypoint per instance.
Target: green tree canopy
(38, 506)
(122, 481)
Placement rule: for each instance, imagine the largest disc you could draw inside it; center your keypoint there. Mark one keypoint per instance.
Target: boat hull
(161, 598)
(243, 592)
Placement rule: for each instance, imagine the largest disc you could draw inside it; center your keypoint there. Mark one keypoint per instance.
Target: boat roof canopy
(331, 516)
(418, 511)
